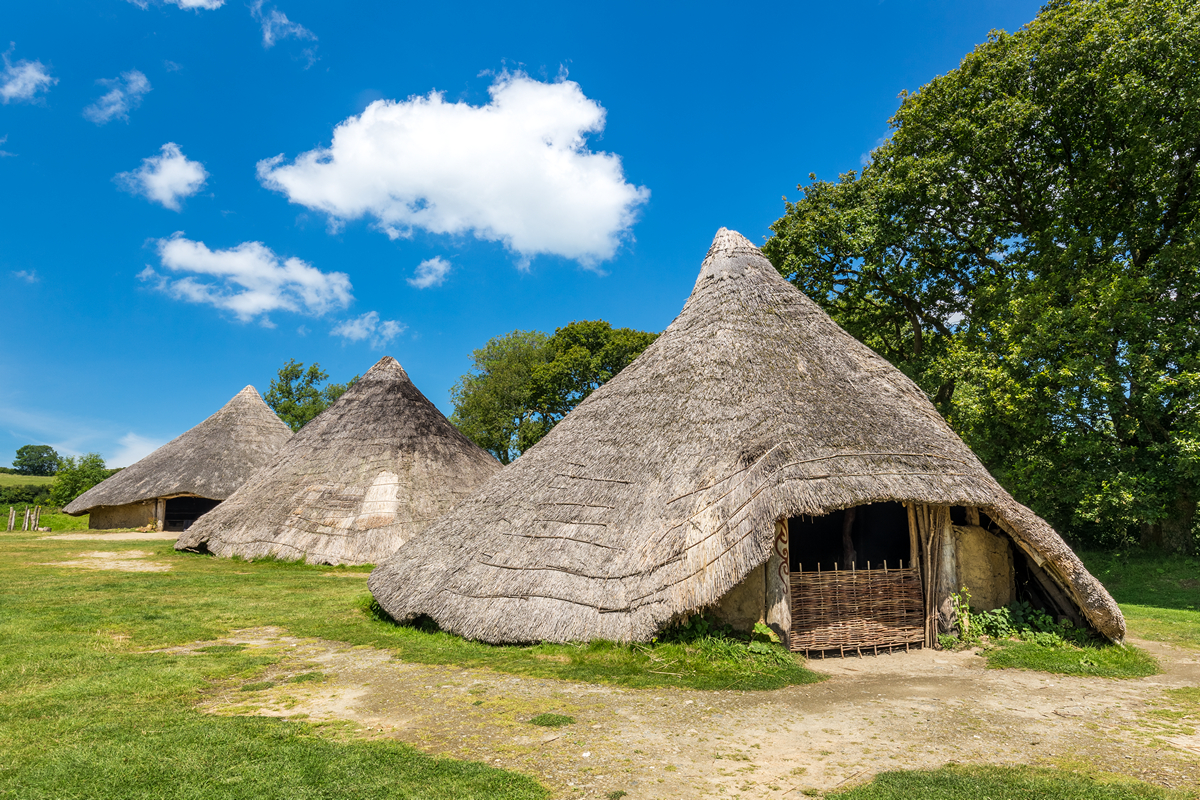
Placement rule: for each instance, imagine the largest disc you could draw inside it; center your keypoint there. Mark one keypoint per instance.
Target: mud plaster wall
(133, 515)
(984, 566)
(743, 606)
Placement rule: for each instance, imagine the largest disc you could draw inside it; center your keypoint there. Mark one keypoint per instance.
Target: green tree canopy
(36, 459)
(522, 383)
(76, 475)
(296, 395)
(1025, 246)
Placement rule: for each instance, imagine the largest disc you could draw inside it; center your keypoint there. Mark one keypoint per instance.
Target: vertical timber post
(160, 513)
(778, 611)
(947, 571)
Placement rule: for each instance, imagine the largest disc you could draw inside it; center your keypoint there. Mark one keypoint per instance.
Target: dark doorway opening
(878, 532)
(181, 512)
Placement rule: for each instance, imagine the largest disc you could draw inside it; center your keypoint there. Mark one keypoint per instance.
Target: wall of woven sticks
(881, 607)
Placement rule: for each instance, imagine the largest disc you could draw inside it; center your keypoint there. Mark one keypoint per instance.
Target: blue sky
(196, 191)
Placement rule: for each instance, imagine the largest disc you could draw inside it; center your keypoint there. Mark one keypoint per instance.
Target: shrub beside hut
(758, 463)
(363, 477)
(190, 475)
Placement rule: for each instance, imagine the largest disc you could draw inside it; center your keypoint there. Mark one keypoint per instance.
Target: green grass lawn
(957, 782)
(8, 479)
(59, 522)
(85, 710)
(1158, 594)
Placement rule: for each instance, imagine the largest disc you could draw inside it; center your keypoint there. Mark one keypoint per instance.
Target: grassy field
(88, 709)
(83, 704)
(1159, 595)
(957, 782)
(7, 479)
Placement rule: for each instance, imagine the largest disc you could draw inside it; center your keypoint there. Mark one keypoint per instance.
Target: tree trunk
(1176, 528)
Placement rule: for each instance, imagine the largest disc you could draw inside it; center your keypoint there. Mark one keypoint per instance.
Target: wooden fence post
(12, 518)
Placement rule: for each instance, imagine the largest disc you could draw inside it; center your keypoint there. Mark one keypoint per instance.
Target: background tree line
(1024, 246)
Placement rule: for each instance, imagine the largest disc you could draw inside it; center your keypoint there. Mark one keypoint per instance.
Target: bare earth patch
(123, 561)
(903, 711)
(128, 536)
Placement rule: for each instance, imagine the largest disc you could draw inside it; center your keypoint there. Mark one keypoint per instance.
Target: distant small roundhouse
(189, 475)
(355, 483)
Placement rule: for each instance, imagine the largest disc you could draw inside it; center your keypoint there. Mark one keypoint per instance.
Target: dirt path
(902, 711)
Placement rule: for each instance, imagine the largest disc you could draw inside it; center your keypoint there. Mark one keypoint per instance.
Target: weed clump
(552, 720)
(1023, 637)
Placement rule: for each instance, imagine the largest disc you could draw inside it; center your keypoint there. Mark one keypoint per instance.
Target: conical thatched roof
(659, 492)
(211, 460)
(354, 484)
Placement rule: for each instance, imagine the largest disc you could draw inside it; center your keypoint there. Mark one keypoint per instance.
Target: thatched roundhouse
(189, 475)
(756, 462)
(367, 474)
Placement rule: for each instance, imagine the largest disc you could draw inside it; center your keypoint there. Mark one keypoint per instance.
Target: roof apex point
(386, 368)
(729, 257)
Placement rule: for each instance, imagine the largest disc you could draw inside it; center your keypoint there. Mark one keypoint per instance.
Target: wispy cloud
(27, 275)
(517, 170)
(431, 272)
(165, 178)
(124, 94)
(250, 280)
(5, 153)
(276, 25)
(133, 448)
(370, 328)
(73, 436)
(191, 5)
(21, 82)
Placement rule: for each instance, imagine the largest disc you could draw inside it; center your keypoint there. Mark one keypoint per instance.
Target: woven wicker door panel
(853, 609)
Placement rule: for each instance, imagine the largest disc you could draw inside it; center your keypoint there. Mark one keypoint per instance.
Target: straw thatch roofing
(659, 492)
(354, 484)
(211, 460)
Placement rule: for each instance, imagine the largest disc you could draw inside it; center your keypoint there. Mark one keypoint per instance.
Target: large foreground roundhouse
(189, 475)
(756, 462)
(363, 477)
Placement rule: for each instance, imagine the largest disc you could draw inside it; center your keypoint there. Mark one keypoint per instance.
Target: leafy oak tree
(36, 459)
(494, 402)
(521, 384)
(296, 395)
(1026, 246)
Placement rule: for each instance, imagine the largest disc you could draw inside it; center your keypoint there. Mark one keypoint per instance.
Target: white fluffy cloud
(22, 81)
(370, 327)
(276, 25)
(517, 170)
(27, 275)
(249, 280)
(431, 272)
(124, 94)
(165, 178)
